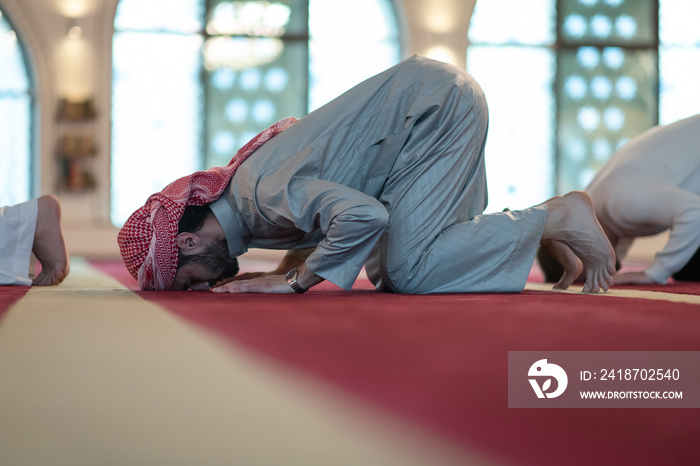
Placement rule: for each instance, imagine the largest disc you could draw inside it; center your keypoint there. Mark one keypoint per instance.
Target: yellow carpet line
(90, 374)
(643, 294)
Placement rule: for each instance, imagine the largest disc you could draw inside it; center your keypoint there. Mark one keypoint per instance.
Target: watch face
(292, 280)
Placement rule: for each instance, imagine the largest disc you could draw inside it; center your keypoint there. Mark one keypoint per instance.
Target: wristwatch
(292, 280)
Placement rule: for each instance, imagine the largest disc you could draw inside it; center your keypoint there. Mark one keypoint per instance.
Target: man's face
(202, 270)
(194, 276)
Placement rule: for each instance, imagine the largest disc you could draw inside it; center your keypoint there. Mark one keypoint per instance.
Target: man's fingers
(243, 277)
(237, 286)
(249, 275)
(266, 284)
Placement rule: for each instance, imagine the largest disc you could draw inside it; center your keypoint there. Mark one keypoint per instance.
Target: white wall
(75, 69)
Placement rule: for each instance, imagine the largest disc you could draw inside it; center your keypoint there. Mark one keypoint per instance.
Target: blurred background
(103, 102)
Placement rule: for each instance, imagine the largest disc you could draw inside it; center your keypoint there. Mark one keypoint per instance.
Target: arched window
(15, 119)
(194, 80)
(575, 82)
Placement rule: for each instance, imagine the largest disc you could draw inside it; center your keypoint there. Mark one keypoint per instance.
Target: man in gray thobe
(390, 176)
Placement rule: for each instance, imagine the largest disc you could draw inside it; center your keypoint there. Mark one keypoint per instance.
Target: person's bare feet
(567, 259)
(572, 223)
(49, 246)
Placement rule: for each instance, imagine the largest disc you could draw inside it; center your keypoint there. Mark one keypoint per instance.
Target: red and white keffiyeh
(147, 240)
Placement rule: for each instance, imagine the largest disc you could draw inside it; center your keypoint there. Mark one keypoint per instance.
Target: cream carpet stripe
(657, 295)
(91, 374)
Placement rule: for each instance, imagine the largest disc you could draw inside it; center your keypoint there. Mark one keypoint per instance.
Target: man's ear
(188, 242)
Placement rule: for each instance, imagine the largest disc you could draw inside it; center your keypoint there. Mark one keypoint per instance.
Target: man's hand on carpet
(245, 276)
(633, 278)
(262, 284)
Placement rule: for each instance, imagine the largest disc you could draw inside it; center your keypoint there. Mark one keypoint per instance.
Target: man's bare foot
(571, 220)
(567, 259)
(49, 246)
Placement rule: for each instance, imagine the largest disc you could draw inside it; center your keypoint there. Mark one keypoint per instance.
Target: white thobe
(17, 228)
(650, 185)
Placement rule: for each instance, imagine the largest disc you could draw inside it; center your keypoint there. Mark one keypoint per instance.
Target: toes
(41, 280)
(611, 264)
(566, 280)
(49, 277)
(587, 286)
(591, 285)
(609, 280)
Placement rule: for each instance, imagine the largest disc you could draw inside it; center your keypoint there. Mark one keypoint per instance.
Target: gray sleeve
(351, 223)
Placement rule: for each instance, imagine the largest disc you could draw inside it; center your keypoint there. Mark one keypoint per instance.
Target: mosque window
(192, 86)
(574, 83)
(15, 119)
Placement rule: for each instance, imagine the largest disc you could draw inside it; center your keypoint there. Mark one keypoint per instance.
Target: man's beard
(216, 258)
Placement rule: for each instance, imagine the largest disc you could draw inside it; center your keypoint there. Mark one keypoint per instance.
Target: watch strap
(292, 281)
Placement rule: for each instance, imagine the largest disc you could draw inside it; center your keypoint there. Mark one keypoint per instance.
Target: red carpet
(672, 286)
(441, 361)
(9, 295)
